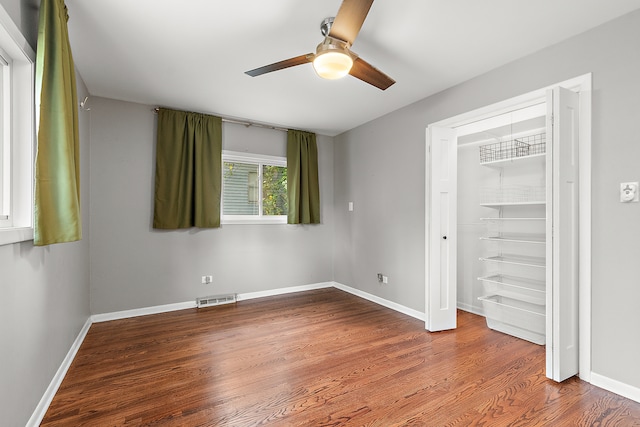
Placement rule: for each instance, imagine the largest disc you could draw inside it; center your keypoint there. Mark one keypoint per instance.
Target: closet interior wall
(501, 218)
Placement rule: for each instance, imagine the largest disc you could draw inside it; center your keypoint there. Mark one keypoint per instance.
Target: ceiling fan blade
(291, 62)
(369, 74)
(349, 20)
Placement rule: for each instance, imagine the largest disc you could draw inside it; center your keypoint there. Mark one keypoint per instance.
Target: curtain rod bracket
(83, 104)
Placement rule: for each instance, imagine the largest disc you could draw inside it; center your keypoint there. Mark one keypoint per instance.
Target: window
(5, 146)
(254, 189)
(16, 133)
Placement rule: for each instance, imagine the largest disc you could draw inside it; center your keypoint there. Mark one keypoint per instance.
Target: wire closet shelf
(514, 148)
(512, 194)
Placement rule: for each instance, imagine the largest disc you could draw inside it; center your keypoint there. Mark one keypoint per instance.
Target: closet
(502, 211)
(508, 204)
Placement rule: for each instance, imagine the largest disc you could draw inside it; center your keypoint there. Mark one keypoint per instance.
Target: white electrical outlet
(385, 280)
(207, 279)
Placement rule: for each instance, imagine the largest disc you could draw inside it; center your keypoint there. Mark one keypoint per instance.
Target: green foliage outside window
(274, 190)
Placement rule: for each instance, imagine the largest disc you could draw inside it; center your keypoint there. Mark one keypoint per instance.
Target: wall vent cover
(213, 300)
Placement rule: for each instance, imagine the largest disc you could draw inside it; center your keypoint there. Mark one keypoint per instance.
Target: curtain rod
(240, 122)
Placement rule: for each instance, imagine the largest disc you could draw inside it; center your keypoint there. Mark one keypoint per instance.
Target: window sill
(254, 221)
(15, 235)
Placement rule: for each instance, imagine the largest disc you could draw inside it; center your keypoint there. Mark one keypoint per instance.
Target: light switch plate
(629, 192)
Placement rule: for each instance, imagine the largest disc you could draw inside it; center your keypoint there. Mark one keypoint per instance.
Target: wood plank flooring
(317, 358)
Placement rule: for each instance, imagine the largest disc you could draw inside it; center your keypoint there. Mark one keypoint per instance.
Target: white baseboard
(617, 387)
(383, 302)
(105, 317)
(50, 392)
(470, 308)
(281, 291)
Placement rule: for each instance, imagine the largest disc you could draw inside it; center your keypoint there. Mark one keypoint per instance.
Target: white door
(441, 233)
(563, 227)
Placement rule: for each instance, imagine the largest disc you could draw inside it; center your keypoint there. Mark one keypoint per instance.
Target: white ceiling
(192, 54)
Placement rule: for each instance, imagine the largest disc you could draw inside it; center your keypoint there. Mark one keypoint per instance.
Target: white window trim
(258, 159)
(20, 132)
(5, 146)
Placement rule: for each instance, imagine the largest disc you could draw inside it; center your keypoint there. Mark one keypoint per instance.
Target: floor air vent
(215, 300)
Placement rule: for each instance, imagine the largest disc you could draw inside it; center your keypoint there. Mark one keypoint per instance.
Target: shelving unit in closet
(515, 245)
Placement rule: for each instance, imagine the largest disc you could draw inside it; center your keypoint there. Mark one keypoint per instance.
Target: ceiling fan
(333, 58)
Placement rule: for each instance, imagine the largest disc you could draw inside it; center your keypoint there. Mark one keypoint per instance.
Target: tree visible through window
(274, 185)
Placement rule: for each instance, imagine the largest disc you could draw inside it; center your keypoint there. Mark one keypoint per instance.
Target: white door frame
(580, 84)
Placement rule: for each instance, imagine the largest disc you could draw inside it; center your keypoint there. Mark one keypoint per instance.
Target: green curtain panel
(188, 170)
(57, 217)
(303, 188)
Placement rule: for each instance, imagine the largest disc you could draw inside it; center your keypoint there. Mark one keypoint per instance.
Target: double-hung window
(254, 189)
(17, 133)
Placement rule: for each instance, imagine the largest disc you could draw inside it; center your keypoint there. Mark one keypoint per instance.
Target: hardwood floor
(317, 358)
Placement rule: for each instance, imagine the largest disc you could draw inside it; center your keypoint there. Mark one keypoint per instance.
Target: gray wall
(134, 266)
(381, 166)
(44, 292)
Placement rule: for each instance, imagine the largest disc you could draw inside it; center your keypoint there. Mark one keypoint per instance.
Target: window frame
(259, 160)
(17, 137)
(5, 146)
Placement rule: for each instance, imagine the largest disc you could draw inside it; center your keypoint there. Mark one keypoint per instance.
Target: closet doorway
(516, 250)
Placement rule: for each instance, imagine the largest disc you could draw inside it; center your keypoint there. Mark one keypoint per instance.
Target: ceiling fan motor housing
(325, 26)
(329, 44)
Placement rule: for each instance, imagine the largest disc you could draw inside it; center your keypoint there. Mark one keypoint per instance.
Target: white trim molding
(281, 291)
(145, 311)
(17, 138)
(471, 309)
(615, 386)
(50, 392)
(105, 317)
(381, 301)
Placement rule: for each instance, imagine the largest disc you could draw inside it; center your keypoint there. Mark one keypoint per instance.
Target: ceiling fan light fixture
(333, 59)
(332, 65)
